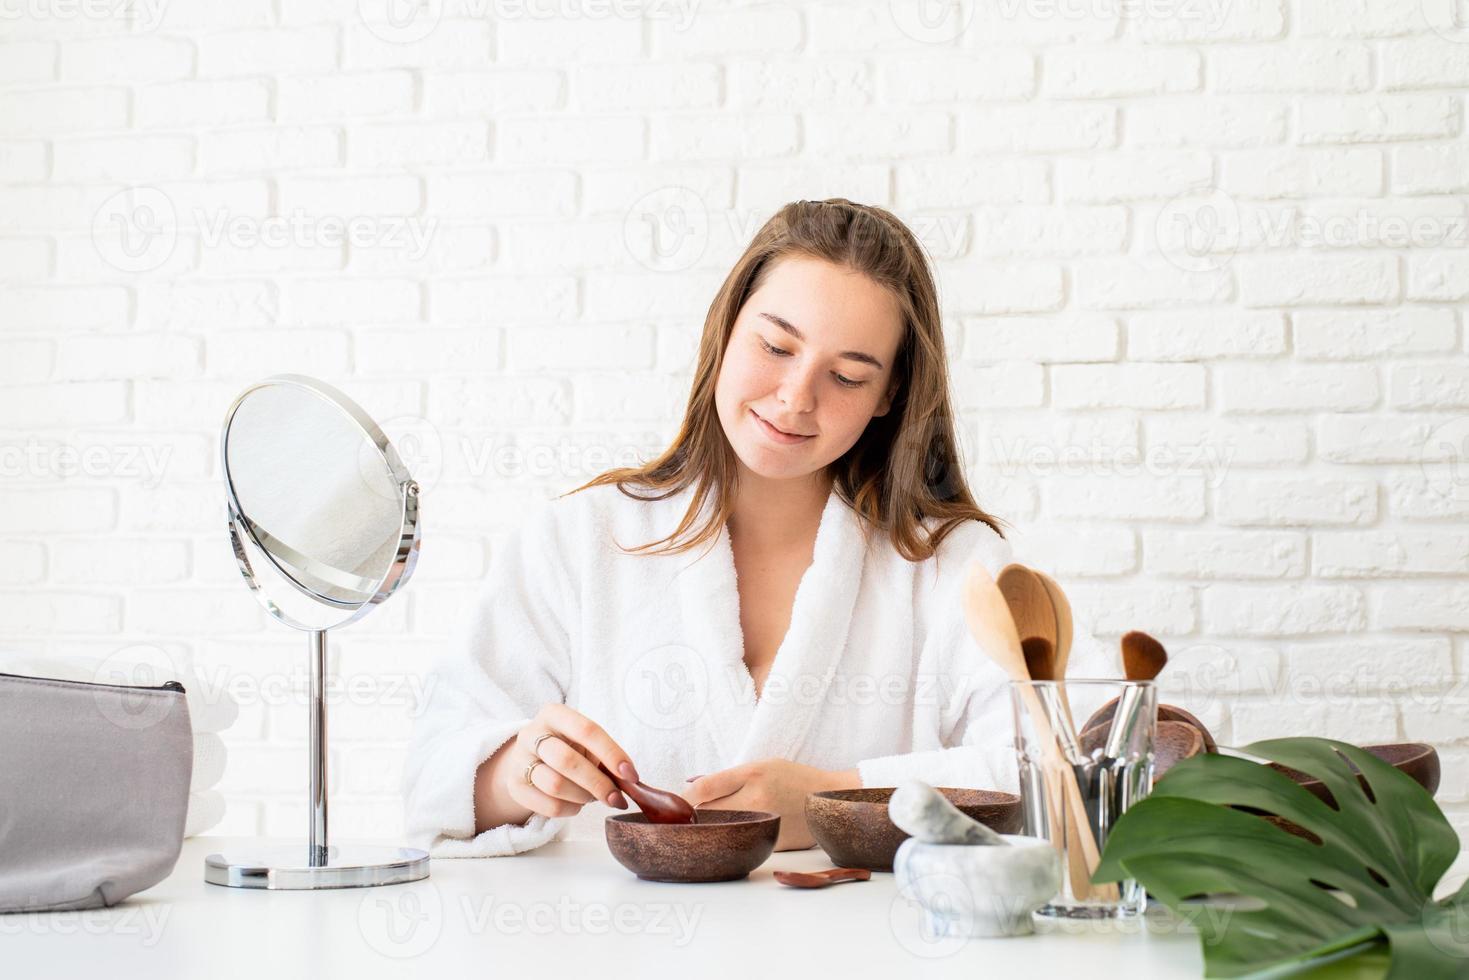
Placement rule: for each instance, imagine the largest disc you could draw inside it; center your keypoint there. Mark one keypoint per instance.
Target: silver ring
(535, 749)
(530, 768)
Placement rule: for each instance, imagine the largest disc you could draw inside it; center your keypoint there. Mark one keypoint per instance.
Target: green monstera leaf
(1355, 902)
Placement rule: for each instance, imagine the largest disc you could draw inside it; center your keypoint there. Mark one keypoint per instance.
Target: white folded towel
(206, 809)
(209, 756)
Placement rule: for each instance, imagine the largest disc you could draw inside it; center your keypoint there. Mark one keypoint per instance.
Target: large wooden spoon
(660, 805)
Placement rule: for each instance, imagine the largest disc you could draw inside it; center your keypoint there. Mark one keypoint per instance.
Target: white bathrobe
(877, 671)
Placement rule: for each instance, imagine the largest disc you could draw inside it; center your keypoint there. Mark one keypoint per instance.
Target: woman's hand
(567, 777)
(775, 786)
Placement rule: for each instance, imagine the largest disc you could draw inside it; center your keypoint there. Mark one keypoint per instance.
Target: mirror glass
(320, 504)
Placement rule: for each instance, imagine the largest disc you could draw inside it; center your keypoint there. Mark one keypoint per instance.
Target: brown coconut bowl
(1166, 712)
(1417, 759)
(723, 845)
(852, 825)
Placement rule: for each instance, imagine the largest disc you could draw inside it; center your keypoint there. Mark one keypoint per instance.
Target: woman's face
(824, 385)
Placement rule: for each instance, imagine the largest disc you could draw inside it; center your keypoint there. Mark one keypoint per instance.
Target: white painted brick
(1437, 720)
(22, 162)
(92, 357)
(426, 247)
(993, 288)
(481, 95)
(1225, 554)
(1079, 552)
(564, 41)
(1438, 275)
(42, 308)
(1140, 386)
(1040, 445)
(1430, 168)
(1378, 118)
(617, 191)
(721, 137)
(799, 85)
(1436, 385)
(1023, 24)
(126, 158)
(847, 27)
(215, 15)
(1223, 121)
(1317, 280)
(177, 105)
(1070, 338)
(350, 197)
(277, 149)
(28, 61)
(498, 194)
(1375, 438)
(119, 561)
(1282, 610)
(1323, 66)
(1357, 18)
(1383, 554)
(1204, 335)
(634, 88)
(999, 73)
(1046, 232)
(633, 397)
(775, 184)
(1121, 284)
(349, 302)
(1296, 387)
(53, 510)
(885, 135)
(940, 183)
(244, 354)
(1432, 493)
(24, 259)
(1005, 386)
(48, 613)
(1132, 176)
(268, 52)
(1111, 610)
(220, 305)
(1424, 62)
(1295, 172)
(1431, 606)
(1120, 498)
(63, 110)
(1295, 501)
(127, 60)
(1240, 20)
(1360, 334)
(567, 139)
(258, 256)
(26, 361)
(22, 562)
(743, 30)
(640, 295)
(1115, 71)
(333, 98)
(458, 43)
(1392, 666)
(487, 300)
(1017, 129)
(1353, 720)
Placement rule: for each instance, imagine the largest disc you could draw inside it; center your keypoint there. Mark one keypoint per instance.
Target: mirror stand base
(289, 868)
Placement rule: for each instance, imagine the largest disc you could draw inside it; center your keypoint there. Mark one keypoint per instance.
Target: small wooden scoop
(660, 805)
(821, 879)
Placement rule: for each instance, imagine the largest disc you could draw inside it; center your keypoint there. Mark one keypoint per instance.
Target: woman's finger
(715, 786)
(534, 800)
(580, 770)
(556, 784)
(583, 731)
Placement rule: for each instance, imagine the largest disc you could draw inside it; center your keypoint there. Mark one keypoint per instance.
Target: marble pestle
(923, 813)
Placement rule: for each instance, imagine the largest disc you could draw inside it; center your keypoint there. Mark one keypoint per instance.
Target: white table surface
(559, 910)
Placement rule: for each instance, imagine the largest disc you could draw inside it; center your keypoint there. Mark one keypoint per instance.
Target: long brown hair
(904, 467)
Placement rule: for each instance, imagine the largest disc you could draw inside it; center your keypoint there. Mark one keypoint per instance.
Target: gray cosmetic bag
(94, 788)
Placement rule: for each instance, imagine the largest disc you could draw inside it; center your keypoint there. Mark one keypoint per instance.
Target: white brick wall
(1203, 267)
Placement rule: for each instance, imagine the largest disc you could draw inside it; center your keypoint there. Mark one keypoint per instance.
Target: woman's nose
(797, 390)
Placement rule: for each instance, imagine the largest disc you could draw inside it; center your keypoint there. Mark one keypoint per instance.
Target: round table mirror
(323, 520)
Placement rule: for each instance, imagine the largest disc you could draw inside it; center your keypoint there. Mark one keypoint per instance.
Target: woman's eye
(774, 350)
(848, 382)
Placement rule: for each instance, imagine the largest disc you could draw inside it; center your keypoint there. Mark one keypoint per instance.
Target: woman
(771, 607)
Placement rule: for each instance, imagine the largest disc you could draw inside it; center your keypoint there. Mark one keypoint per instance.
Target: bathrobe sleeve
(970, 740)
(512, 654)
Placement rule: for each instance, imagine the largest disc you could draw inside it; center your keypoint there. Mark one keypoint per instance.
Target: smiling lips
(778, 435)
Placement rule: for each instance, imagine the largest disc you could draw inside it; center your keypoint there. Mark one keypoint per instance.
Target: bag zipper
(165, 686)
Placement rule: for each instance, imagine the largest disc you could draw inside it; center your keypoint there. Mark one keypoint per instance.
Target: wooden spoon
(1029, 602)
(987, 615)
(822, 879)
(660, 805)
(1064, 628)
